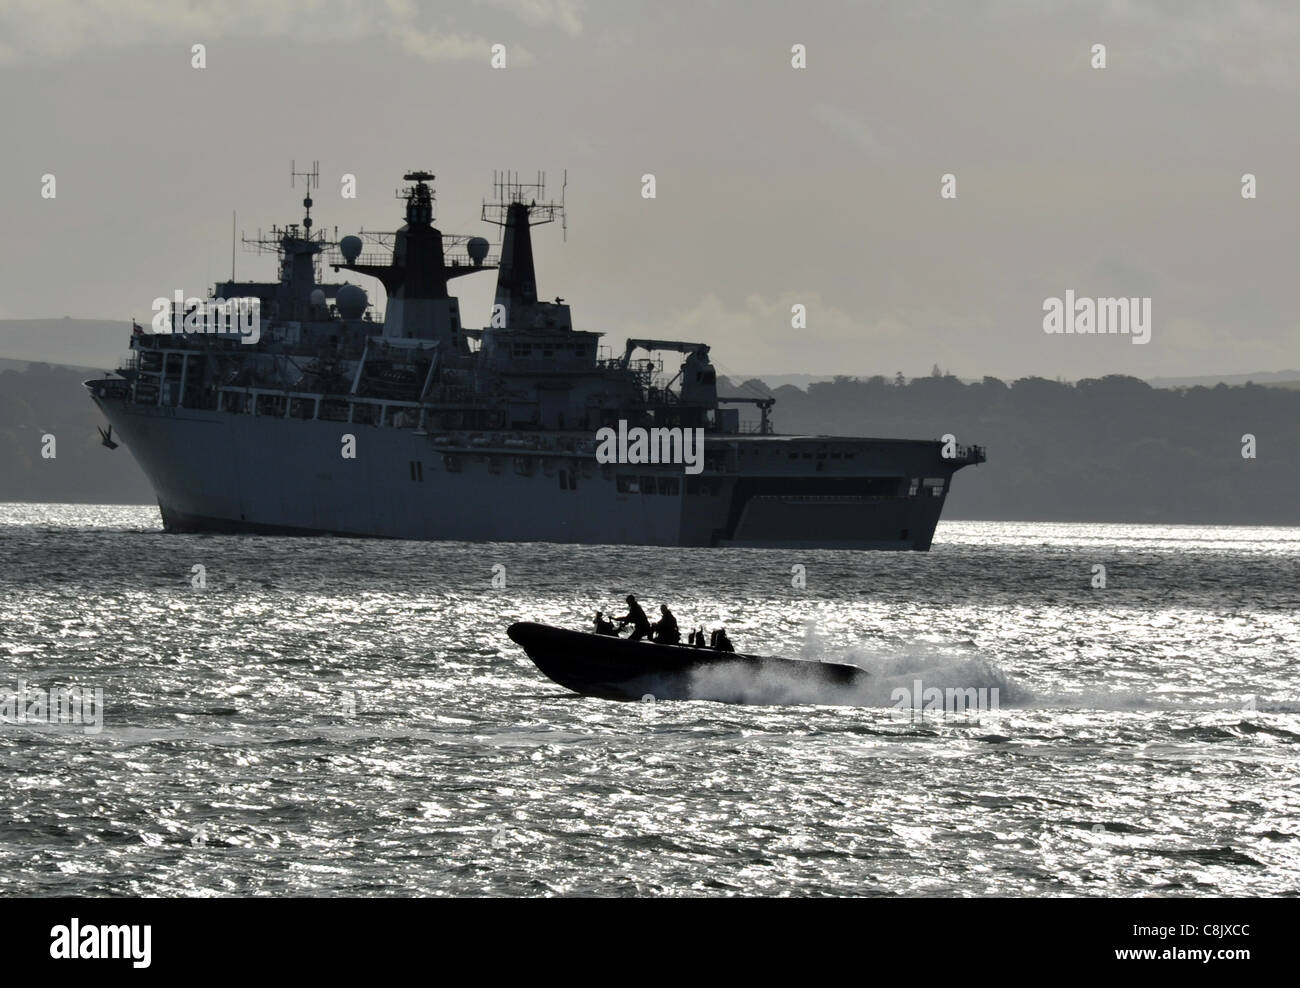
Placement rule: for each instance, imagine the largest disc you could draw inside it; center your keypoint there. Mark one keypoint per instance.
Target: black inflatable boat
(619, 669)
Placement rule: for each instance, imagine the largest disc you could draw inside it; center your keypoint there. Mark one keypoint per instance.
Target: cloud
(36, 31)
(562, 14)
(756, 334)
(1249, 43)
(850, 128)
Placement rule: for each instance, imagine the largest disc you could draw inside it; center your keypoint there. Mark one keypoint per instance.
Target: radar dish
(351, 248)
(351, 301)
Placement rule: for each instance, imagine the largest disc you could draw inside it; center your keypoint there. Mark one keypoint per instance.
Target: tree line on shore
(1100, 449)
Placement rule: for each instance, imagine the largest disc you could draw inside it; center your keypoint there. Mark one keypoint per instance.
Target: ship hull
(215, 471)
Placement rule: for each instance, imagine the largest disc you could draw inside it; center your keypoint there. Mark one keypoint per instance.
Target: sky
(775, 186)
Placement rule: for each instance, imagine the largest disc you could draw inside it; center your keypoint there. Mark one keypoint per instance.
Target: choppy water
(337, 716)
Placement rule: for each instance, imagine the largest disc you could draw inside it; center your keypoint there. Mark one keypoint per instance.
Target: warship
(332, 418)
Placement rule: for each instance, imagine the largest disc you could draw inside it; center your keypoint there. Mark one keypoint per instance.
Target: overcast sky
(775, 185)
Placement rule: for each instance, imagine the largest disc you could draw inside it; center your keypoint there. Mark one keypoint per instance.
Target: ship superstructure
(409, 424)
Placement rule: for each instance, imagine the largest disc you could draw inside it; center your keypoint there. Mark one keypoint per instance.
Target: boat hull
(619, 669)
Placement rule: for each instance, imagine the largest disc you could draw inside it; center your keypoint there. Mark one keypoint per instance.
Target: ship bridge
(415, 276)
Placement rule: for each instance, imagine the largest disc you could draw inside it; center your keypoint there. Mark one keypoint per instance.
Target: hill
(45, 400)
(1108, 449)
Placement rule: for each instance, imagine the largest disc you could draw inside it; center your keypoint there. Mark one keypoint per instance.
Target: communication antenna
(312, 178)
(509, 188)
(232, 246)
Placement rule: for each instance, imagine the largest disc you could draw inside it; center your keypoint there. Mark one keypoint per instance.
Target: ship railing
(644, 367)
(112, 388)
(972, 454)
(541, 366)
(185, 341)
(353, 409)
(479, 444)
(377, 258)
(307, 404)
(326, 313)
(457, 263)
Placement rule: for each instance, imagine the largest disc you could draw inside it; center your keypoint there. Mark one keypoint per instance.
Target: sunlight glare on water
(348, 717)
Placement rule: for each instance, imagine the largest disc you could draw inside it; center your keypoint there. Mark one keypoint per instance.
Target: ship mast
(299, 251)
(415, 277)
(518, 207)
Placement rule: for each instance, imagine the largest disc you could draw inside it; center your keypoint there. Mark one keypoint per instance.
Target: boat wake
(916, 680)
(737, 683)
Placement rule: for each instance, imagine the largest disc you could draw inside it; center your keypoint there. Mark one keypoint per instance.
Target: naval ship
(334, 418)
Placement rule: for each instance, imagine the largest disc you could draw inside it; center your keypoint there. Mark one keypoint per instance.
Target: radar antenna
(511, 189)
(294, 239)
(312, 178)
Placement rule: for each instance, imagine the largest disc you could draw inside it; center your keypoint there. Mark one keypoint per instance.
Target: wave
(920, 677)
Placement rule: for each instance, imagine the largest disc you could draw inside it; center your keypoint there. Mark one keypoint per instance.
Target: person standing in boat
(635, 617)
(665, 629)
(604, 627)
(721, 642)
